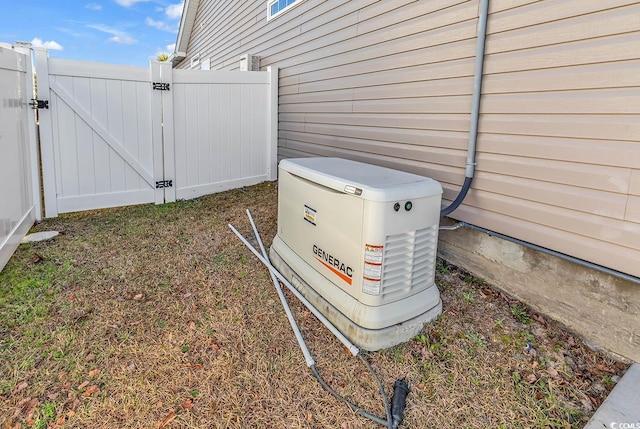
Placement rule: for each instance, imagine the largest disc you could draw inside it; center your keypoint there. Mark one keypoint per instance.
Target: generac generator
(359, 242)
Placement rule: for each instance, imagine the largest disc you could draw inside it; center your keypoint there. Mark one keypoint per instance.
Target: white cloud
(124, 40)
(129, 3)
(119, 36)
(93, 6)
(174, 11)
(161, 25)
(50, 44)
(171, 47)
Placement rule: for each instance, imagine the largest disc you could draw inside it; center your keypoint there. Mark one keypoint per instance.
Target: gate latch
(161, 86)
(39, 104)
(164, 184)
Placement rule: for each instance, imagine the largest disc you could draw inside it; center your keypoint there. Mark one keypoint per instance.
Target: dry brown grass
(157, 316)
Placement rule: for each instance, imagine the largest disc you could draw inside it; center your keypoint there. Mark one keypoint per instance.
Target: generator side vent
(409, 262)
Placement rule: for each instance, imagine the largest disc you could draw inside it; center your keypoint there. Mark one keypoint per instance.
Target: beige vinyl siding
(390, 82)
(560, 129)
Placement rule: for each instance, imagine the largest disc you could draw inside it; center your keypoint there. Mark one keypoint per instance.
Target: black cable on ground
(388, 422)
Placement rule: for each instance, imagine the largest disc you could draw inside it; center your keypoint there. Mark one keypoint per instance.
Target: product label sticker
(373, 254)
(310, 215)
(370, 286)
(372, 271)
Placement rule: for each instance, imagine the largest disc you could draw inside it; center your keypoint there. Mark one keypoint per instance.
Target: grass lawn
(157, 316)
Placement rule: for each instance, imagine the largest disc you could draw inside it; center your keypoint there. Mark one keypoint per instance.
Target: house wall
(390, 83)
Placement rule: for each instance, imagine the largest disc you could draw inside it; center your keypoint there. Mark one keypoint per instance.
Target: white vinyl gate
(19, 197)
(119, 135)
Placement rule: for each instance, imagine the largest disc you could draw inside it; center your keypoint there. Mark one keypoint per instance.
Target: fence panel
(18, 207)
(100, 148)
(119, 135)
(222, 130)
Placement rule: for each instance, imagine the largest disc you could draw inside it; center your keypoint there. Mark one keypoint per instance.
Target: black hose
(461, 195)
(385, 400)
(388, 422)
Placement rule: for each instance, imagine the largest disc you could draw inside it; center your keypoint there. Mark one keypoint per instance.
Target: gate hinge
(39, 104)
(161, 86)
(164, 184)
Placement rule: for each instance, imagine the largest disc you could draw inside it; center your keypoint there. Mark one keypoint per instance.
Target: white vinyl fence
(18, 157)
(118, 135)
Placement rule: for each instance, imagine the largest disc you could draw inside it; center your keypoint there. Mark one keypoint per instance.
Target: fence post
(156, 131)
(272, 125)
(168, 143)
(46, 134)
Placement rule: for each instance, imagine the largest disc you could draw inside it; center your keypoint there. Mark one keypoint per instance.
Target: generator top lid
(370, 182)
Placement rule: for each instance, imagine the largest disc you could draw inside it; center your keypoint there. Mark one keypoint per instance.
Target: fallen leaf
(83, 385)
(27, 405)
(90, 391)
(128, 295)
(29, 421)
(192, 325)
(61, 420)
(72, 297)
(167, 419)
(309, 417)
(553, 372)
(90, 357)
(531, 378)
(539, 319)
(275, 350)
(605, 368)
(93, 373)
(344, 425)
(571, 342)
(71, 413)
(137, 297)
(187, 404)
(21, 386)
(37, 258)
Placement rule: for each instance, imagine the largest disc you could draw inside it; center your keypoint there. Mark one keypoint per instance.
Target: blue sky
(131, 32)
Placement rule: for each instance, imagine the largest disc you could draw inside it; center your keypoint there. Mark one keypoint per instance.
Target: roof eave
(186, 27)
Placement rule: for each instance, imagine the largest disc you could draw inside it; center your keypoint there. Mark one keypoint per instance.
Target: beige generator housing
(359, 242)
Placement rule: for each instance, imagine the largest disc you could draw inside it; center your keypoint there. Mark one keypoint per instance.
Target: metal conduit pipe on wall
(582, 262)
(483, 13)
(475, 109)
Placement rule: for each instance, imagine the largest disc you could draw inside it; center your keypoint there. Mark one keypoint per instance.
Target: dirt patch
(157, 316)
